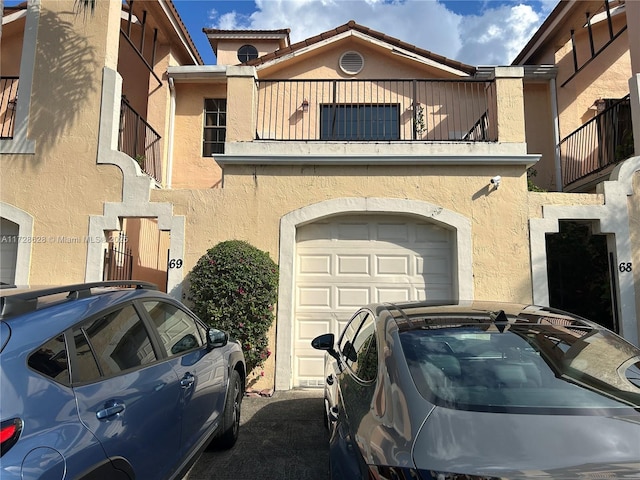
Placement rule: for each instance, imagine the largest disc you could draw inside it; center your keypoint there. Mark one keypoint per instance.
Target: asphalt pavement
(282, 437)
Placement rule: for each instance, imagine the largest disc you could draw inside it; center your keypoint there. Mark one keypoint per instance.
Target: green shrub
(234, 288)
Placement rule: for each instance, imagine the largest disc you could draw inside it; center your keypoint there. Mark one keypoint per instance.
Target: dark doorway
(579, 273)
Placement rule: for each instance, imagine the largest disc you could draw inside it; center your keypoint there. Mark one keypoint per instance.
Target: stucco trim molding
(610, 218)
(289, 224)
(25, 229)
(136, 188)
(20, 143)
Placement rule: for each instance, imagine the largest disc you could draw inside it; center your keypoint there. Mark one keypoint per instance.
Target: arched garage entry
(343, 253)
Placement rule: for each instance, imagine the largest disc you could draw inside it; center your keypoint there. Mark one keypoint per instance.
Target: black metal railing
(604, 140)
(376, 110)
(140, 141)
(8, 102)
(118, 262)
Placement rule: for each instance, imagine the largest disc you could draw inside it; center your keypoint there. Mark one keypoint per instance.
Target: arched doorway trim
(25, 225)
(611, 217)
(340, 206)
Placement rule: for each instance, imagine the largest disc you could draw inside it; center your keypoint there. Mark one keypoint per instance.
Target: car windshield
(523, 367)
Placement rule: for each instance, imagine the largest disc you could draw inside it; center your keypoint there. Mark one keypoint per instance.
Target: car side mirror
(326, 342)
(216, 338)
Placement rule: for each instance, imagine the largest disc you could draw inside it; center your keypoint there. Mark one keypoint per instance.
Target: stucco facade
(69, 186)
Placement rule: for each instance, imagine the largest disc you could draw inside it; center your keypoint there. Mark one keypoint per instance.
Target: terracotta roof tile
(352, 25)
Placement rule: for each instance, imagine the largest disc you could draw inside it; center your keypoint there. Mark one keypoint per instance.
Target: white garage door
(8, 250)
(350, 261)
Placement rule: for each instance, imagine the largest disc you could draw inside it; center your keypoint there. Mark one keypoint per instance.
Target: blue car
(103, 382)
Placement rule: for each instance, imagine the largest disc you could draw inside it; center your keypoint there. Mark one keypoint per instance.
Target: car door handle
(187, 380)
(330, 380)
(110, 409)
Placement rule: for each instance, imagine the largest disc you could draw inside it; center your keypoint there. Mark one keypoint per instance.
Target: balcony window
(215, 126)
(360, 122)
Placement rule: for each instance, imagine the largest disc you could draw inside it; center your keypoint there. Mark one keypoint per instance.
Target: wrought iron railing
(140, 141)
(604, 140)
(118, 261)
(376, 110)
(8, 102)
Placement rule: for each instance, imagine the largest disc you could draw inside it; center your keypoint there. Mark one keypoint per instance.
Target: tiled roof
(352, 25)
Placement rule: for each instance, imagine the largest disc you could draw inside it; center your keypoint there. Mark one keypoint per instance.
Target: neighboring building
(362, 164)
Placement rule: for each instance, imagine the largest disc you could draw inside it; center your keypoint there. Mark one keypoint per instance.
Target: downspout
(172, 112)
(556, 134)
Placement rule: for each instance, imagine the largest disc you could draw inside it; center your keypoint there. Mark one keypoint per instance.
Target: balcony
(140, 141)
(602, 142)
(8, 102)
(376, 110)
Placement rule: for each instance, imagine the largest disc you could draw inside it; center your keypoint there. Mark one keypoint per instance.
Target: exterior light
(305, 105)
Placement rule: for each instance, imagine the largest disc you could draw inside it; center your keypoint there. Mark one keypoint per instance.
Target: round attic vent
(351, 62)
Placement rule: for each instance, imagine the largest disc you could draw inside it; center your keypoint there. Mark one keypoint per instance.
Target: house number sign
(625, 267)
(175, 263)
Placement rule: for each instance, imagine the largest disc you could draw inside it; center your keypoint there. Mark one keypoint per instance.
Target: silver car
(480, 391)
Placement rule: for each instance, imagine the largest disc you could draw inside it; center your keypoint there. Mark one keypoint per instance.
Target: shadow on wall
(70, 62)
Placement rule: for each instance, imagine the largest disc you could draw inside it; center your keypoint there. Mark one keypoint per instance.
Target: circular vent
(351, 62)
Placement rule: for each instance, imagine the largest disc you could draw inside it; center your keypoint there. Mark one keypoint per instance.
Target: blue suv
(103, 382)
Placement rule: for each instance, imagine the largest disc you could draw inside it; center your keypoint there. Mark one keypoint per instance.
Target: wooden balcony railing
(604, 140)
(140, 141)
(376, 110)
(8, 102)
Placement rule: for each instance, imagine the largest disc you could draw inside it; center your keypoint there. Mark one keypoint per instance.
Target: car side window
(365, 366)
(346, 341)
(51, 360)
(117, 342)
(178, 331)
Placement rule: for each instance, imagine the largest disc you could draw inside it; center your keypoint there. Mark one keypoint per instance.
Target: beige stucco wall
(190, 168)
(606, 76)
(62, 175)
(539, 133)
(254, 199)
(323, 63)
(228, 49)
(11, 47)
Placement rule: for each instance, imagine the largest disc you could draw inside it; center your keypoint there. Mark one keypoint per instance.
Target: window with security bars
(360, 122)
(215, 126)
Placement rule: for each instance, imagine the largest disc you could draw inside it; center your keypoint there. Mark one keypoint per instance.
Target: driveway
(281, 438)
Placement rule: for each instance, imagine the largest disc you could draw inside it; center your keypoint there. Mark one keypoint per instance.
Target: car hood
(513, 446)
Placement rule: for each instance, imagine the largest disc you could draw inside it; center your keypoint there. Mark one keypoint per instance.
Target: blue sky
(477, 32)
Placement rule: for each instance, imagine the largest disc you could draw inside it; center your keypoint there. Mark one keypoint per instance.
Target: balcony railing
(141, 142)
(8, 102)
(604, 140)
(376, 110)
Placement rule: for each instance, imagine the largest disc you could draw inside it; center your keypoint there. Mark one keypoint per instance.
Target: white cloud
(492, 37)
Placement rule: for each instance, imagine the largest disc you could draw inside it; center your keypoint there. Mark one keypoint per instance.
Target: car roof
(420, 314)
(16, 303)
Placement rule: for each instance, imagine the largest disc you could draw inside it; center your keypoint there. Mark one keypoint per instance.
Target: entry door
(351, 261)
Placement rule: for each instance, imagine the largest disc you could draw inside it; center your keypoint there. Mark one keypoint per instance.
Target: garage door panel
(353, 297)
(312, 327)
(315, 231)
(353, 231)
(314, 297)
(391, 294)
(393, 232)
(314, 265)
(426, 233)
(353, 265)
(393, 264)
(433, 266)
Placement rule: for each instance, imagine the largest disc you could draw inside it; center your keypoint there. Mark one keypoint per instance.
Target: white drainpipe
(556, 134)
(172, 111)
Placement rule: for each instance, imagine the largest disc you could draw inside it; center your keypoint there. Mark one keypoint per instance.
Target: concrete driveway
(281, 438)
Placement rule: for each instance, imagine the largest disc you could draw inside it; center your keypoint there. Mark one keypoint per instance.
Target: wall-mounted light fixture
(305, 105)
